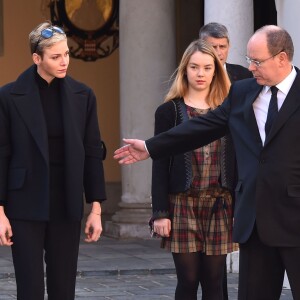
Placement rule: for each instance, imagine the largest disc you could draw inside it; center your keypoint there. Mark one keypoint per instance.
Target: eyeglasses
(47, 33)
(258, 63)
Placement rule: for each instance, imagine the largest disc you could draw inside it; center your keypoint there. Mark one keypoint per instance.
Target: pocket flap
(16, 178)
(293, 191)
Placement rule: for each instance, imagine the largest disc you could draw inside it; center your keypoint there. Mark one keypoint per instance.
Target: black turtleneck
(52, 106)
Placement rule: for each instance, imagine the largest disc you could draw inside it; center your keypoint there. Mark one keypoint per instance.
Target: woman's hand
(93, 226)
(162, 227)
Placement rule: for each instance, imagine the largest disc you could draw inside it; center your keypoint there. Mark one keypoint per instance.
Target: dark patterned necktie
(273, 110)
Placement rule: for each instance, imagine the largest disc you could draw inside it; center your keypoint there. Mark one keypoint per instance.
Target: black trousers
(55, 243)
(261, 270)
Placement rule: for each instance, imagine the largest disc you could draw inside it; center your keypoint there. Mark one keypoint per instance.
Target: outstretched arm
(132, 152)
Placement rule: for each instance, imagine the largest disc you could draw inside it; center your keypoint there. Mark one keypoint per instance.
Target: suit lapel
(70, 119)
(73, 108)
(249, 115)
(73, 111)
(231, 71)
(26, 98)
(290, 104)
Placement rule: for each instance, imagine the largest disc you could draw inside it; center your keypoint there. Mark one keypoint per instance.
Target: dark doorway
(189, 19)
(265, 13)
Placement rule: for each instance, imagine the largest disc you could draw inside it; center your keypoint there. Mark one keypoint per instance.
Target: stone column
(147, 60)
(240, 25)
(287, 17)
(237, 16)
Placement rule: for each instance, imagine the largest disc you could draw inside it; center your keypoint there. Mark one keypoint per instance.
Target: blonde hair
(220, 84)
(37, 43)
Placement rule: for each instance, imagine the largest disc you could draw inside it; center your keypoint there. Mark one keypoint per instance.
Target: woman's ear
(36, 58)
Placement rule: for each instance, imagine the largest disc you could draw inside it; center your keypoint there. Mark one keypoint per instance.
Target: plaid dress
(202, 217)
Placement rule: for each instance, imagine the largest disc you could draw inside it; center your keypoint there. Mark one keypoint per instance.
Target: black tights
(192, 268)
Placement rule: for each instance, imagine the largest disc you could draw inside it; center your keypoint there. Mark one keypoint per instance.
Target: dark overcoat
(24, 157)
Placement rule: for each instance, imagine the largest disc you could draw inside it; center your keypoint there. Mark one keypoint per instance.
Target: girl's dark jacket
(174, 174)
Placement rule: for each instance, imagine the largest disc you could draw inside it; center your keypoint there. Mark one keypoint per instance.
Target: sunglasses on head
(47, 33)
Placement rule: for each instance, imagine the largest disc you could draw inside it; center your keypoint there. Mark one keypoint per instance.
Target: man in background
(217, 35)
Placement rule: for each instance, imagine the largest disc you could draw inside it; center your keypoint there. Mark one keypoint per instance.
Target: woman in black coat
(50, 158)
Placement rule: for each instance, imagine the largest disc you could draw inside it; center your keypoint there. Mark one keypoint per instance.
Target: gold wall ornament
(92, 26)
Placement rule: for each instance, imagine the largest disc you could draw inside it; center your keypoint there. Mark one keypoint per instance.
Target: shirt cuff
(146, 147)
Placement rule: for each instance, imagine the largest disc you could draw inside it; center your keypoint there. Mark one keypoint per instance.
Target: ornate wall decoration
(92, 26)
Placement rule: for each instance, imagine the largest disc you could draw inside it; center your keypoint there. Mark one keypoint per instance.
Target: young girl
(191, 193)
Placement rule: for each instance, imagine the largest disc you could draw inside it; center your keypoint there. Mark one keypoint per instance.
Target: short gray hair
(215, 30)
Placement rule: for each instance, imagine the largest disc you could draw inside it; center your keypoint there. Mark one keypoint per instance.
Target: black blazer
(24, 161)
(268, 189)
(237, 72)
(171, 175)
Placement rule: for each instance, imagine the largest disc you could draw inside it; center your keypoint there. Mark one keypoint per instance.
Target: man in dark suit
(217, 35)
(50, 154)
(267, 207)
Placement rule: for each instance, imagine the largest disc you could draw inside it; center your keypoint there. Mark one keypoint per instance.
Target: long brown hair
(220, 84)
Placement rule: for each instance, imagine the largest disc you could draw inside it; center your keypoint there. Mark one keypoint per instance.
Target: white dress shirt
(261, 104)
